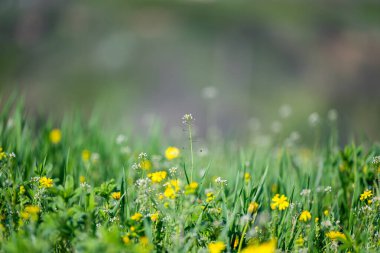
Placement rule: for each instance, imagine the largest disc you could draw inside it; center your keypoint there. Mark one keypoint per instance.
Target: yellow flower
(2, 154)
(300, 241)
(247, 176)
(22, 190)
(268, 247)
(55, 136)
(86, 154)
(158, 176)
(144, 241)
(253, 207)
(82, 179)
(169, 192)
(116, 195)
(154, 217)
(326, 212)
(145, 165)
(305, 216)
(171, 153)
(32, 209)
(191, 188)
(366, 195)
(316, 220)
(216, 247)
(126, 239)
(46, 182)
(280, 203)
(236, 242)
(137, 217)
(210, 197)
(30, 212)
(336, 235)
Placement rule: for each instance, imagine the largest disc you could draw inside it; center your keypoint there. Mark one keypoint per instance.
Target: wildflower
(173, 171)
(171, 153)
(154, 217)
(145, 165)
(187, 119)
(46, 182)
(220, 181)
(326, 212)
(314, 119)
(236, 242)
(336, 235)
(191, 188)
(300, 241)
(158, 176)
(116, 195)
(137, 217)
(305, 216)
(267, 247)
(126, 239)
(86, 154)
(216, 247)
(210, 197)
(305, 192)
(280, 203)
(169, 192)
(22, 190)
(247, 177)
(253, 207)
(120, 139)
(316, 220)
(2, 154)
(366, 195)
(82, 179)
(55, 136)
(144, 241)
(30, 212)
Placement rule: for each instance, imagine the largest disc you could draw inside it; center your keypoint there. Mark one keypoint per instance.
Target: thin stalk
(191, 153)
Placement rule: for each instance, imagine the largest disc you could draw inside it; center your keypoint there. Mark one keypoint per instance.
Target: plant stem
(191, 153)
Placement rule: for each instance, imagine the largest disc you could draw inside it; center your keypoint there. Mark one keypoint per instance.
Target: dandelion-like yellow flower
(336, 235)
(145, 165)
(116, 195)
(247, 176)
(191, 188)
(126, 239)
(326, 212)
(280, 203)
(171, 153)
(154, 217)
(2, 154)
(137, 217)
(55, 136)
(30, 212)
(86, 154)
(305, 216)
(169, 192)
(253, 207)
(267, 247)
(82, 179)
(210, 197)
(158, 176)
(366, 195)
(300, 241)
(46, 182)
(22, 190)
(216, 247)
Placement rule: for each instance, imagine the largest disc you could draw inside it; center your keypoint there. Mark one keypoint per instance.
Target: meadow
(73, 186)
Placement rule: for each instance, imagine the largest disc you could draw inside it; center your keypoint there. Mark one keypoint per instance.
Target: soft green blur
(237, 66)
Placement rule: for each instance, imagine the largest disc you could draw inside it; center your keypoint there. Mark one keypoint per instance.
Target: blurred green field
(75, 186)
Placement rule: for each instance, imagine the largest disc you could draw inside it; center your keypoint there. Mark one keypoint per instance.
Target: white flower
(285, 111)
(187, 119)
(95, 157)
(173, 171)
(142, 155)
(220, 181)
(328, 189)
(314, 119)
(135, 166)
(12, 155)
(120, 139)
(305, 192)
(326, 223)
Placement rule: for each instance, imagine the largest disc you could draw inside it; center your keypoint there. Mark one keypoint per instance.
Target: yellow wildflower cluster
(158, 176)
(172, 187)
(2, 154)
(305, 216)
(216, 247)
(154, 216)
(253, 207)
(30, 212)
(280, 203)
(191, 188)
(267, 247)
(366, 196)
(210, 197)
(22, 189)
(336, 235)
(116, 195)
(137, 217)
(145, 165)
(55, 136)
(46, 182)
(171, 153)
(86, 154)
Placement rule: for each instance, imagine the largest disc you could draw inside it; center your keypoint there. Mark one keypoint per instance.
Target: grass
(76, 187)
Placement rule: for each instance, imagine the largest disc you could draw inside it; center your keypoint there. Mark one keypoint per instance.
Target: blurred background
(237, 67)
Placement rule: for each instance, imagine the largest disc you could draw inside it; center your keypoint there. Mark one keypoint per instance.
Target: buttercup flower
(46, 182)
(267, 247)
(305, 216)
(158, 176)
(86, 154)
(335, 235)
(366, 195)
(116, 195)
(55, 136)
(253, 207)
(137, 217)
(171, 153)
(280, 203)
(216, 247)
